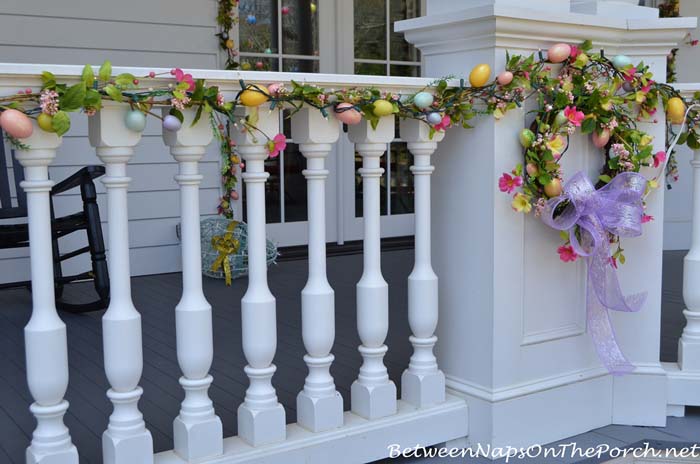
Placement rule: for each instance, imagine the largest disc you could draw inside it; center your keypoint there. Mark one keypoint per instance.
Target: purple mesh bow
(616, 209)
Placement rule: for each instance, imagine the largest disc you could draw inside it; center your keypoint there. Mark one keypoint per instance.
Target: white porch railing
(425, 415)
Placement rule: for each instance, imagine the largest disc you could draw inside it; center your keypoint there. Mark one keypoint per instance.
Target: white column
(422, 384)
(261, 418)
(198, 431)
(614, 8)
(373, 395)
(45, 334)
(689, 344)
(126, 440)
(319, 405)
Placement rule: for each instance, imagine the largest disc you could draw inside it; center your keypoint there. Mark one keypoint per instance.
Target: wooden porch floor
(156, 296)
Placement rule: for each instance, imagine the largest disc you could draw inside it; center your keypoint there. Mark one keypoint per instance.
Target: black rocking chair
(17, 235)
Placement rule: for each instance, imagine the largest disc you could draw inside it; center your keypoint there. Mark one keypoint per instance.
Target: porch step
(358, 441)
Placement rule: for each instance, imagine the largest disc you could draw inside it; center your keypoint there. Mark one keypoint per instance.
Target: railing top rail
(230, 79)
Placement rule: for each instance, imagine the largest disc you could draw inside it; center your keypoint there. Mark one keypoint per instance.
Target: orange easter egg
(16, 124)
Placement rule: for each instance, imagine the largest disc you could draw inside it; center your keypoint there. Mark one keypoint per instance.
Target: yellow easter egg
(675, 110)
(383, 108)
(480, 75)
(254, 95)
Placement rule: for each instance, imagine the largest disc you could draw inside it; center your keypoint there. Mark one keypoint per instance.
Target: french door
(330, 36)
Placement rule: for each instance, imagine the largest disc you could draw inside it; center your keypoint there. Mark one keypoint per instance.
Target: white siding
(162, 33)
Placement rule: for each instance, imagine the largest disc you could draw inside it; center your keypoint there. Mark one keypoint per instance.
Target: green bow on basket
(226, 245)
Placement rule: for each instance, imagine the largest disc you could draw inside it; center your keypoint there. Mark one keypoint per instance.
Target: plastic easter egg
(383, 108)
(602, 139)
(45, 122)
(234, 195)
(16, 124)
(628, 87)
(620, 61)
(423, 100)
(285, 10)
(560, 119)
(434, 118)
(268, 51)
(312, 6)
(675, 110)
(171, 123)
(135, 120)
(275, 88)
(553, 188)
(505, 78)
(349, 116)
(251, 19)
(480, 75)
(254, 95)
(526, 138)
(532, 170)
(558, 53)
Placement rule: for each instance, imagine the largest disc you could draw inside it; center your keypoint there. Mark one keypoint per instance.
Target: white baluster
(319, 405)
(689, 344)
(373, 395)
(45, 334)
(126, 440)
(261, 418)
(198, 431)
(422, 384)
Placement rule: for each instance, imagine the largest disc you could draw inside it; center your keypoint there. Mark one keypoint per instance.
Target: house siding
(158, 33)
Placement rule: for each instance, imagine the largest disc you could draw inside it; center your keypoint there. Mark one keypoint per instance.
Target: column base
(689, 355)
(262, 426)
(423, 390)
(373, 401)
(68, 456)
(675, 410)
(320, 414)
(134, 449)
(196, 440)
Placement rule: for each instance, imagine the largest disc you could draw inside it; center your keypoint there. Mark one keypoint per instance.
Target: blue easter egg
(135, 120)
(434, 118)
(251, 19)
(171, 123)
(423, 100)
(620, 61)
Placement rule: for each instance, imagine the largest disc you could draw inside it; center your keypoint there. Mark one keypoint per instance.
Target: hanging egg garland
(254, 95)
(16, 124)
(347, 114)
(382, 108)
(423, 100)
(602, 139)
(434, 118)
(504, 78)
(45, 122)
(135, 120)
(675, 110)
(621, 61)
(480, 75)
(558, 53)
(171, 123)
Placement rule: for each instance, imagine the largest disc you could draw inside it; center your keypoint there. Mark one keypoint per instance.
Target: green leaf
(74, 98)
(588, 125)
(48, 80)
(105, 71)
(693, 142)
(197, 115)
(605, 178)
(125, 80)
(175, 112)
(93, 99)
(88, 76)
(61, 123)
(113, 92)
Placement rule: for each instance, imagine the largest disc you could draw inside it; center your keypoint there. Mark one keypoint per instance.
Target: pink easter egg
(350, 116)
(274, 89)
(16, 124)
(601, 140)
(558, 52)
(505, 78)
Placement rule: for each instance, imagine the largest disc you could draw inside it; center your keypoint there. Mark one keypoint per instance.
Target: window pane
(370, 29)
(254, 63)
(294, 184)
(258, 25)
(272, 193)
(299, 27)
(400, 10)
(401, 179)
(405, 70)
(309, 66)
(358, 187)
(372, 69)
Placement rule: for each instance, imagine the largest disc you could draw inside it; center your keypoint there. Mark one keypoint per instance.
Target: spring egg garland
(171, 123)
(16, 124)
(347, 114)
(423, 100)
(254, 95)
(135, 120)
(382, 108)
(675, 110)
(558, 53)
(621, 61)
(45, 122)
(480, 75)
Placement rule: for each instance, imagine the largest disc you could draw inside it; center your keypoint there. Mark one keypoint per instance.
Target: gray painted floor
(156, 297)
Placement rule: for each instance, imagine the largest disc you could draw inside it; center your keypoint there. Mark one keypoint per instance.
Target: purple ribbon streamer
(614, 209)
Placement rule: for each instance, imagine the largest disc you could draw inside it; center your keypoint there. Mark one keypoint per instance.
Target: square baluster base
(197, 440)
(422, 390)
(373, 401)
(136, 449)
(320, 414)
(69, 456)
(261, 426)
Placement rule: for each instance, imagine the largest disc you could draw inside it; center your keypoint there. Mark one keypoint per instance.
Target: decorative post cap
(310, 126)
(363, 132)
